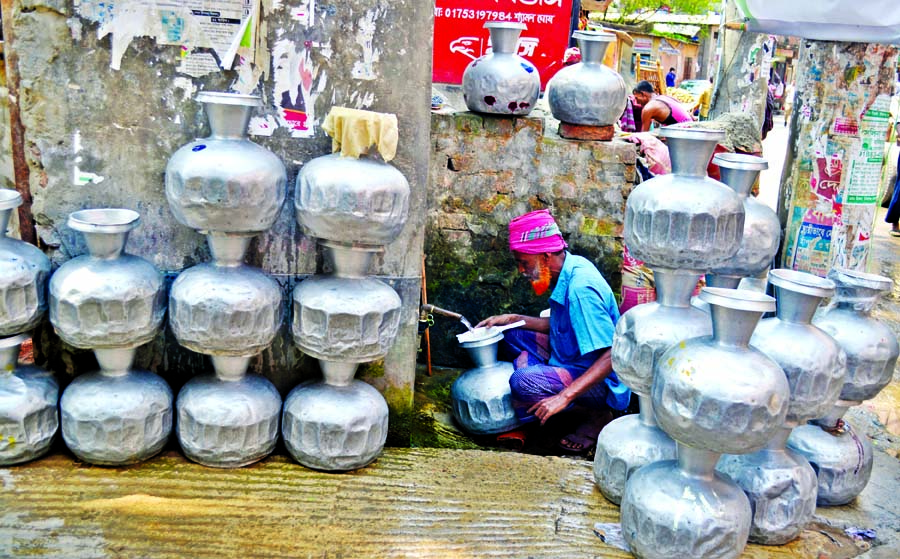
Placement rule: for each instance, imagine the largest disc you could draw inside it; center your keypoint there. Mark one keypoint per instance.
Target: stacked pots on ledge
(711, 394)
(28, 395)
(670, 222)
(588, 93)
(780, 483)
(502, 82)
(481, 397)
(111, 302)
(230, 189)
(353, 206)
(842, 457)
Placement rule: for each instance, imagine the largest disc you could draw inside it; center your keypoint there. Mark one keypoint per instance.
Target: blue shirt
(583, 316)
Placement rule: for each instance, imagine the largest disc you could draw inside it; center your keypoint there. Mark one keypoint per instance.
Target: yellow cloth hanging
(354, 131)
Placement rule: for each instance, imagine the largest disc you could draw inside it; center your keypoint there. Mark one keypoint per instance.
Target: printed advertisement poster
(460, 36)
(812, 249)
(868, 158)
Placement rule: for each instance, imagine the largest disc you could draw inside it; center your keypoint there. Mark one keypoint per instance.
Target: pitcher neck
(227, 122)
(115, 362)
(721, 280)
(674, 287)
(690, 156)
(5, 215)
(504, 37)
(592, 47)
(230, 368)
(733, 327)
(106, 246)
(697, 463)
(228, 250)
(338, 373)
(9, 352)
(794, 306)
(739, 180)
(646, 413)
(778, 442)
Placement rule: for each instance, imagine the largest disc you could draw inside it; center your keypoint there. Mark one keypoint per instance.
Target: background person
(662, 109)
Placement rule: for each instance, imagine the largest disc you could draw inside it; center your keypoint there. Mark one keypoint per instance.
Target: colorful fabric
(535, 233)
(626, 122)
(534, 380)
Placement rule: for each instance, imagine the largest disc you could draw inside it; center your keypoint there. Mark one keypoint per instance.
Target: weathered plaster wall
(485, 171)
(100, 137)
(829, 191)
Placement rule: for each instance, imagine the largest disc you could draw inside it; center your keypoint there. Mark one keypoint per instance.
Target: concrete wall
(485, 171)
(104, 101)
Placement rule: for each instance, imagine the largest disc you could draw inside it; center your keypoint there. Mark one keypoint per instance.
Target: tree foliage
(636, 12)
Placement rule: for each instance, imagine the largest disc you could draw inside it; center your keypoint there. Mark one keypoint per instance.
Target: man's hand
(499, 320)
(548, 407)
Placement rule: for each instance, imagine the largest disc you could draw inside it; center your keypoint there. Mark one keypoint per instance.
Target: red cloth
(535, 233)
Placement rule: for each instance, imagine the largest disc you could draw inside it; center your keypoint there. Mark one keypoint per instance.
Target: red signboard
(460, 36)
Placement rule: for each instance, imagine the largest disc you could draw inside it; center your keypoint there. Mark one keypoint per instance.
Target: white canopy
(863, 21)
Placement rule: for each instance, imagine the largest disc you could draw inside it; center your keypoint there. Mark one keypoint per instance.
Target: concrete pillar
(743, 76)
(106, 97)
(829, 190)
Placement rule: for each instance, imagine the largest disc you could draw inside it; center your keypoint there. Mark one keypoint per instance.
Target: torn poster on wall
(297, 84)
(225, 26)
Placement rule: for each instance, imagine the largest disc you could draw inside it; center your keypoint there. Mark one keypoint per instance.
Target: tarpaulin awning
(862, 21)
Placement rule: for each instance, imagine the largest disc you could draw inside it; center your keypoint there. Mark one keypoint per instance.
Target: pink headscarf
(535, 233)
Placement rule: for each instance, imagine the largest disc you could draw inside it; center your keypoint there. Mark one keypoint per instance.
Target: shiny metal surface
(842, 461)
(781, 487)
(685, 508)
(588, 93)
(685, 220)
(225, 182)
(335, 428)
(229, 419)
(762, 229)
(871, 346)
(114, 418)
(345, 319)
(646, 331)
(344, 199)
(814, 363)
(481, 399)
(716, 392)
(225, 310)
(501, 82)
(29, 418)
(107, 298)
(627, 444)
(24, 271)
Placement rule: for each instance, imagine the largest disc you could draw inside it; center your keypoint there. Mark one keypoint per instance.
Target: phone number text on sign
(489, 15)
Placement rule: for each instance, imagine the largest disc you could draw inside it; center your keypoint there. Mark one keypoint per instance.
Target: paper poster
(812, 249)
(868, 159)
(220, 25)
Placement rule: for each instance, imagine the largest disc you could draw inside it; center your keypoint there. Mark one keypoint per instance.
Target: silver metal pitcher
(29, 418)
(502, 82)
(762, 229)
(480, 397)
(685, 220)
(780, 483)
(226, 183)
(111, 302)
(712, 395)
(588, 93)
(642, 335)
(24, 270)
(842, 456)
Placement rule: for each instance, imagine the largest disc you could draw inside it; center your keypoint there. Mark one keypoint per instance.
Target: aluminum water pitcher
(502, 82)
(480, 397)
